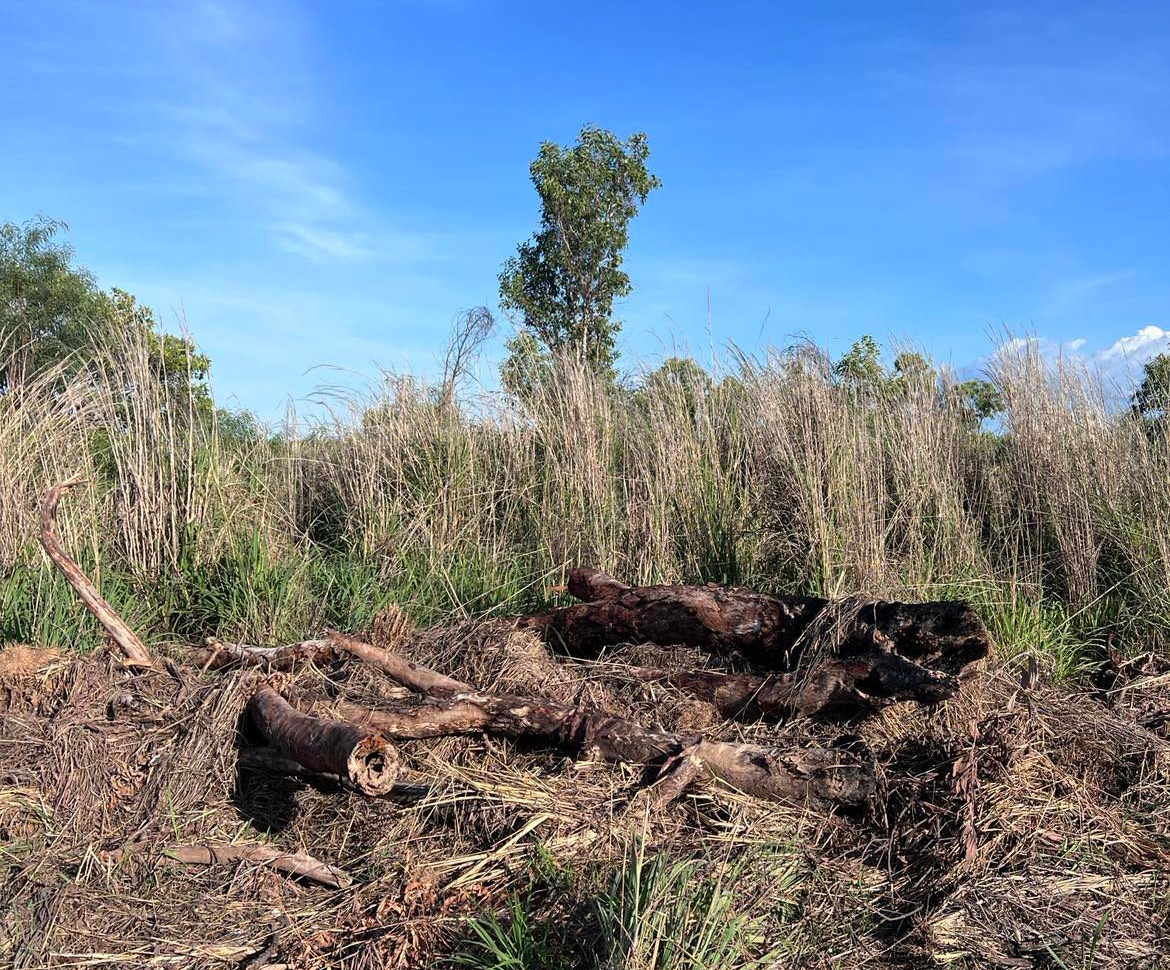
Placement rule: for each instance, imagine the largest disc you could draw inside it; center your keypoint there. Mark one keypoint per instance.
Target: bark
(293, 863)
(361, 757)
(820, 777)
(772, 631)
(836, 685)
(133, 650)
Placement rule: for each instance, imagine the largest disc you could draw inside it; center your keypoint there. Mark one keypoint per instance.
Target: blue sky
(328, 184)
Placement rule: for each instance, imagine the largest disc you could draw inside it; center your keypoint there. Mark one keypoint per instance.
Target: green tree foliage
(861, 371)
(861, 367)
(45, 302)
(679, 381)
(678, 374)
(52, 312)
(174, 362)
(527, 368)
(561, 284)
(979, 400)
(1151, 401)
(913, 372)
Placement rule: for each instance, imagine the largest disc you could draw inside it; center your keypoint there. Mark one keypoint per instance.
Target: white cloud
(1119, 365)
(1139, 348)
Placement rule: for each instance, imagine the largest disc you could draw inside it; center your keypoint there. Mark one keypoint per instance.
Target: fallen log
(362, 757)
(836, 685)
(133, 650)
(771, 631)
(272, 761)
(818, 777)
(293, 863)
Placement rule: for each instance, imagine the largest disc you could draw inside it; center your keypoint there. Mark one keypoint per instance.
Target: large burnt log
(833, 686)
(774, 632)
(815, 776)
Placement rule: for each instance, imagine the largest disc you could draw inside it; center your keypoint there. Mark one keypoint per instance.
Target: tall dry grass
(1058, 523)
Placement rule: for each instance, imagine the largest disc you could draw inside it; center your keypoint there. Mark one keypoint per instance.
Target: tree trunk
(775, 632)
(820, 777)
(360, 756)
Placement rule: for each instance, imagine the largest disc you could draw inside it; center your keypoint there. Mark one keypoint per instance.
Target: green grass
(653, 912)
(251, 593)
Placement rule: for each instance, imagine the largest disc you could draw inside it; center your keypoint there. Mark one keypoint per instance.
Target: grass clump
(656, 911)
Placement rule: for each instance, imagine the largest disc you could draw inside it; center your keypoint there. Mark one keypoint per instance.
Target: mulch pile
(1018, 825)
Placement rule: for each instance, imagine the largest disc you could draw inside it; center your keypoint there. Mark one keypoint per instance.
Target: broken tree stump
(771, 631)
(814, 776)
(360, 756)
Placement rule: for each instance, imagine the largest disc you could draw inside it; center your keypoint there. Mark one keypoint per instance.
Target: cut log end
(361, 756)
(373, 766)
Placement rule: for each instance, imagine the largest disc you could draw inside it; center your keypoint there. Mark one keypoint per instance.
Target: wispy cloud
(1068, 294)
(243, 108)
(320, 244)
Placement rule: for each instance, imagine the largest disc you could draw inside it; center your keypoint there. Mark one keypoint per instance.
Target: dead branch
(293, 863)
(133, 650)
(468, 333)
(218, 654)
(820, 777)
(418, 678)
(360, 756)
